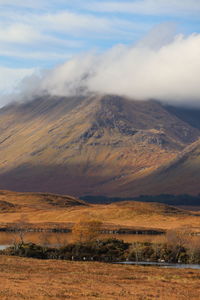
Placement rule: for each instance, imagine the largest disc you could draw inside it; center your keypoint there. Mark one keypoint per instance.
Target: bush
(158, 252)
(110, 250)
(27, 250)
(101, 250)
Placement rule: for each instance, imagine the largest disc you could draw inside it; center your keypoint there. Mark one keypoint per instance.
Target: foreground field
(44, 280)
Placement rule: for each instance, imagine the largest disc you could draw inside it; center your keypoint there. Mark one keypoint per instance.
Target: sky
(57, 38)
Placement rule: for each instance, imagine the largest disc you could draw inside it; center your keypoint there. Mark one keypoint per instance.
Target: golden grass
(38, 200)
(23, 278)
(41, 213)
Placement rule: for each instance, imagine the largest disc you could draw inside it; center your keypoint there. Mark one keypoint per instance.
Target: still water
(162, 265)
(54, 239)
(57, 239)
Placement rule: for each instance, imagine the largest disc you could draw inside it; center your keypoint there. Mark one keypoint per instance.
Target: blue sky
(40, 34)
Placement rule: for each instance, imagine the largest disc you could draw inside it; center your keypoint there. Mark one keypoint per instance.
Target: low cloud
(159, 67)
(9, 81)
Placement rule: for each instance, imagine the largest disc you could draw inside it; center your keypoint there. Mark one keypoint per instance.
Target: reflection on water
(55, 239)
(2, 247)
(49, 238)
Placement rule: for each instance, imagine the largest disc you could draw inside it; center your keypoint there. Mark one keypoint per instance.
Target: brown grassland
(48, 210)
(23, 278)
(26, 278)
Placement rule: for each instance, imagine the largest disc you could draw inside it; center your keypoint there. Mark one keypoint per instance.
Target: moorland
(43, 210)
(23, 278)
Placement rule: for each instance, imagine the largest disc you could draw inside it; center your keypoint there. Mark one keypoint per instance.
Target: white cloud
(58, 32)
(169, 72)
(49, 31)
(35, 55)
(25, 34)
(23, 3)
(148, 7)
(10, 80)
(78, 23)
(74, 24)
(38, 3)
(18, 33)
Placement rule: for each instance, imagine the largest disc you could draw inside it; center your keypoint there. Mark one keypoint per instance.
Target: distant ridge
(15, 200)
(177, 200)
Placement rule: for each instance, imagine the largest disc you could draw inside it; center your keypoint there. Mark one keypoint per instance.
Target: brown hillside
(86, 145)
(16, 200)
(181, 175)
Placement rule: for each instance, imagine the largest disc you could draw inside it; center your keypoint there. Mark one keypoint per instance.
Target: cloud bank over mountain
(161, 66)
(69, 47)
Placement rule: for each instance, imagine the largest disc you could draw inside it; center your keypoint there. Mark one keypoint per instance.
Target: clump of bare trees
(86, 230)
(180, 247)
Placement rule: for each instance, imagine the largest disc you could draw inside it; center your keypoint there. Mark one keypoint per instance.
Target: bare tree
(21, 227)
(86, 230)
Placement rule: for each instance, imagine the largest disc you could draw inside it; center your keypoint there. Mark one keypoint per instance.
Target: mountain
(89, 145)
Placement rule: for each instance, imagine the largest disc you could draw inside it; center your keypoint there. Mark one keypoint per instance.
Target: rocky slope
(179, 176)
(88, 145)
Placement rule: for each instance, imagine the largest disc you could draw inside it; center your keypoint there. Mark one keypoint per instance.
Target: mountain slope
(179, 176)
(87, 145)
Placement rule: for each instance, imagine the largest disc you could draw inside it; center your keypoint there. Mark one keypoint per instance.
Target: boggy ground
(22, 278)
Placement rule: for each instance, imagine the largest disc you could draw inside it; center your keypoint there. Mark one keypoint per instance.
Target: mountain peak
(87, 144)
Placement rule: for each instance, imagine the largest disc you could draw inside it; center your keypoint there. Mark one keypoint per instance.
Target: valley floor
(114, 216)
(22, 278)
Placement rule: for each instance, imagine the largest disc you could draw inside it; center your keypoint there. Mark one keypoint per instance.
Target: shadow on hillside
(61, 179)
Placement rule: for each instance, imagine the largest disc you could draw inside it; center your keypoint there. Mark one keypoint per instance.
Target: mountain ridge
(89, 144)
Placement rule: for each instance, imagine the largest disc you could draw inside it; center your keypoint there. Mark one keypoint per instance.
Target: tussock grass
(36, 279)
